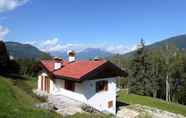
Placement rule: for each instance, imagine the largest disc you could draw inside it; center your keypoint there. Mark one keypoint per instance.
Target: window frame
(101, 86)
(69, 85)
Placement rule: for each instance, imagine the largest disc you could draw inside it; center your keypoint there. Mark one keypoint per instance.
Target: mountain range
(24, 51)
(27, 51)
(18, 50)
(88, 53)
(178, 41)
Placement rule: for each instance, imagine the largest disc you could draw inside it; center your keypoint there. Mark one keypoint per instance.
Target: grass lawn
(17, 100)
(152, 102)
(16, 103)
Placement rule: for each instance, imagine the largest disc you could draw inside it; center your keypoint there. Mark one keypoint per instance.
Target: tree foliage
(159, 73)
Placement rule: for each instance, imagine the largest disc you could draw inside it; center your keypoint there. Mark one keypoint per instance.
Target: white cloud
(3, 32)
(117, 48)
(135, 47)
(50, 45)
(55, 45)
(6, 5)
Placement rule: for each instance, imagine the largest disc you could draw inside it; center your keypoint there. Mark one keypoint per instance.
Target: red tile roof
(75, 70)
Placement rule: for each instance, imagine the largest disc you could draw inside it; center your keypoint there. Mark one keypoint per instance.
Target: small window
(69, 85)
(110, 104)
(101, 86)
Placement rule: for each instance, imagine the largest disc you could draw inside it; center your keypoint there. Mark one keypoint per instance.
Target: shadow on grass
(13, 76)
(120, 104)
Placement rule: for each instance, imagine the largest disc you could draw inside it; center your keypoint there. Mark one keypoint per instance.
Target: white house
(92, 82)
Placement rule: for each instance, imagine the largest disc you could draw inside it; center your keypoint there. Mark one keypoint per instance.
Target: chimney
(71, 56)
(58, 63)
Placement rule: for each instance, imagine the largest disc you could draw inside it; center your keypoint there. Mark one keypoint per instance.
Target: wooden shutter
(42, 83)
(110, 104)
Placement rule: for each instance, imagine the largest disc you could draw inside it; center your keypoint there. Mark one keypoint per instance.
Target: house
(92, 82)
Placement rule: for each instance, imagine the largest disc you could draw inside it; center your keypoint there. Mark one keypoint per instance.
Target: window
(110, 104)
(101, 86)
(69, 85)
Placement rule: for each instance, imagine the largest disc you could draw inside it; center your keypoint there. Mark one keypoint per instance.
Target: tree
(155, 72)
(28, 66)
(169, 53)
(139, 79)
(121, 62)
(4, 57)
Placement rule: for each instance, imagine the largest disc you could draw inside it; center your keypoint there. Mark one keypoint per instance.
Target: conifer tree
(138, 81)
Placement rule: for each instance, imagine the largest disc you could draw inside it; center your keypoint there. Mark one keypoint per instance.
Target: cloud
(56, 45)
(135, 47)
(6, 5)
(117, 48)
(3, 32)
(51, 45)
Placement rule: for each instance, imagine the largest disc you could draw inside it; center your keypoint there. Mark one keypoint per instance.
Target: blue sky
(113, 25)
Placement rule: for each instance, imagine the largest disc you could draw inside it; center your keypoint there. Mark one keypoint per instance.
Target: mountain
(178, 41)
(88, 53)
(24, 51)
(91, 53)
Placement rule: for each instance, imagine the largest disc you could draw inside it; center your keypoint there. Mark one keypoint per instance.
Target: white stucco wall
(51, 86)
(100, 100)
(86, 93)
(77, 94)
(39, 83)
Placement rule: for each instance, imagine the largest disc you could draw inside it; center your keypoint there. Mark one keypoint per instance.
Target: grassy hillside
(152, 102)
(17, 99)
(16, 103)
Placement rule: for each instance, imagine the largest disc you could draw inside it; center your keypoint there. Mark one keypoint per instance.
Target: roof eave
(67, 78)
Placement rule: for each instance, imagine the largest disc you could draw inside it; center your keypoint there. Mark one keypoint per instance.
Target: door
(69, 85)
(42, 83)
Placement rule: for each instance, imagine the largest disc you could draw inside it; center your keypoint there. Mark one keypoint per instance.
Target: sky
(112, 25)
